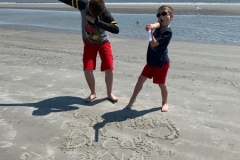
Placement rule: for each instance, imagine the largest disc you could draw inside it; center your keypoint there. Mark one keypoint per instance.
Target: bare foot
(130, 105)
(165, 107)
(112, 98)
(91, 98)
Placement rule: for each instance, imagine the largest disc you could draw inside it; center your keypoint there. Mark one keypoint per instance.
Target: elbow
(117, 31)
(115, 28)
(153, 44)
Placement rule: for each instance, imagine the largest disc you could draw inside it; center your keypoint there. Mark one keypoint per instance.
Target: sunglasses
(162, 14)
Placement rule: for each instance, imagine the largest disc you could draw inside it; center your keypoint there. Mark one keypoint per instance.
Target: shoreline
(58, 31)
(228, 9)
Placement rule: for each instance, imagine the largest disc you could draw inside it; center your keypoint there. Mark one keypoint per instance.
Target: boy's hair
(96, 7)
(170, 9)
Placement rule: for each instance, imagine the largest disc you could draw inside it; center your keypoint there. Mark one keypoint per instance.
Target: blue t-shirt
(158, 56)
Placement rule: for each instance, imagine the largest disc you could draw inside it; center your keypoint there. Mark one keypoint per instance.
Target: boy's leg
(137, 89)
(106, 56)
(109, 84)
(159, 77)
(91, 84)
(164, 93)
(89, 64)
(146, 73)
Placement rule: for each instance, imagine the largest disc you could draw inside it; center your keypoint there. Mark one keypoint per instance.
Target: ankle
(109, 94)
(164, 103)
(131, 102)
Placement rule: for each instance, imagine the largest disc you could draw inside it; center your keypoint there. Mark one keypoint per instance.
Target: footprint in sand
(26, 156)
(6, 144)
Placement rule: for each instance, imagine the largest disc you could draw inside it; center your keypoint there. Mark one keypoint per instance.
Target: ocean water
(190, 28)
(221, 29)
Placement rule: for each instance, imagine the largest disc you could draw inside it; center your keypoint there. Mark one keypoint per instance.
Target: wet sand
(43, 114)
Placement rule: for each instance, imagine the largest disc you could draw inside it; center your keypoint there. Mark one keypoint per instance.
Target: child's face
(164, 17)
(90, 12)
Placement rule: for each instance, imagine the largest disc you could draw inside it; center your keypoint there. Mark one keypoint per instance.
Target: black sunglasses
(162, 14)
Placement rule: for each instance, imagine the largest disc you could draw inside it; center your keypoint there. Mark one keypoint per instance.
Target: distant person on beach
(158, 61)
(96, 21)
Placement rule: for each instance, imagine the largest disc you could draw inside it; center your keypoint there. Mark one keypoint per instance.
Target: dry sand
(227, 9)
(43, 114)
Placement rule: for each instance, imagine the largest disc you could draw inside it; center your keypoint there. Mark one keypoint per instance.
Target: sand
(43, 114)
(225, 9)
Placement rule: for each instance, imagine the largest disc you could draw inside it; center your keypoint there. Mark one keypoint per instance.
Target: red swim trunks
(158, 74)
(90, 56)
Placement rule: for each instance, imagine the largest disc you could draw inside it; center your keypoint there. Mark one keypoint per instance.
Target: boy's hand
(148, 27)
(152, 26)
(91, 19)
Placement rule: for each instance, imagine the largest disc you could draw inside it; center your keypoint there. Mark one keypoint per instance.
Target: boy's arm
(112, 26)
(154, 42)
(165, 36)
(152, 26)
(78, 4)
(155, 25)
(107, 22)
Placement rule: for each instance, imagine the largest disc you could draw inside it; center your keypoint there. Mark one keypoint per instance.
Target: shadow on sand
(68, 103)
(56, 104)
(119, 116)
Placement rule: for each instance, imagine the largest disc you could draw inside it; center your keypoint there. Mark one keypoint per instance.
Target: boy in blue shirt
(158, 61)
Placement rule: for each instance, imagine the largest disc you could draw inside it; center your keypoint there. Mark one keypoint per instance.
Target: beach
(43, 114)
(205, 9)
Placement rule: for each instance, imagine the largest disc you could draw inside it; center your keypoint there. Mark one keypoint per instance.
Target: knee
(109, 71)
(162, 86)
(141, 79)
(88, 72)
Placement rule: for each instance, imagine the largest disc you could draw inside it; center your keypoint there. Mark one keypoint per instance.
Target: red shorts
(90, 56)
(158, 74)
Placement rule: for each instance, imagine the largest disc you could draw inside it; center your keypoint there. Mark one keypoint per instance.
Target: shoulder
(82, 4)
(167, 32)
